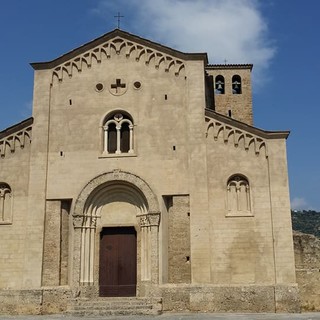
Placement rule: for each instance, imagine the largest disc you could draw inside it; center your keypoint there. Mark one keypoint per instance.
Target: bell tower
(232, 90)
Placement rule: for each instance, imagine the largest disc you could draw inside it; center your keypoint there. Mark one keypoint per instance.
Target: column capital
(151, 219)
(77, 221)
(144, 221)
(154, 219)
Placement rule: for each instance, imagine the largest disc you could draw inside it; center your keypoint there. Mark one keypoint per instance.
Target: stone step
(112, 306)
(120, 301)
(115, 306)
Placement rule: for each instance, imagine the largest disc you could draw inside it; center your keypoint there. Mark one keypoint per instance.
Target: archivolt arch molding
(135, 181)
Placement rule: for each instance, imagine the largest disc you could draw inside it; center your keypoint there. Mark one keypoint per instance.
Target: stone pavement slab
(180, 316)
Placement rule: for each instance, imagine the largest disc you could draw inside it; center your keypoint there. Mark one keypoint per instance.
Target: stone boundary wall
(307, 258)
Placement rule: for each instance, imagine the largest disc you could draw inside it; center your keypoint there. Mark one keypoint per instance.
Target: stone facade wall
(68, 152)
(238, 238)
(307, 257)
(241, 240)
(160, 135)
(214, 254)
(14, 171)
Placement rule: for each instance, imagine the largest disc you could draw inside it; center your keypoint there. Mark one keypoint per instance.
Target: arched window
(5, 202)
(219, 85)
(118, 134)
(238, 195)
(236, 84)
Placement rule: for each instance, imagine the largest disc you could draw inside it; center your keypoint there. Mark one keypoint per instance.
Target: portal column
(149, 224)
(77, 224)
(154, 221)
(145, 248)
(88, 230)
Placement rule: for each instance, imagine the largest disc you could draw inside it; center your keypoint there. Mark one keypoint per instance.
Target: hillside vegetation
(306, 221)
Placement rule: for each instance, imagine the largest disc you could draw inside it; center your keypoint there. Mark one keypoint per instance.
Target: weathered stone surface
(179, 263)
(115, 306)
(55, 300)
(175, 298)
(229, 299)
(43, 301)
(307, 255)
(209, 298)
(16, 302)
(287, 298)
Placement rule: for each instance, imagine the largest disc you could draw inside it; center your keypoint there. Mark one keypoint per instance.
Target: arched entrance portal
(113, 208)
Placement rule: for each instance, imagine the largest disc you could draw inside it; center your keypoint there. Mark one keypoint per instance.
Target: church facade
(140, 174)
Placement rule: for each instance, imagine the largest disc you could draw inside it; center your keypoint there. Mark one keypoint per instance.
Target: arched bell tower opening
(112, 209)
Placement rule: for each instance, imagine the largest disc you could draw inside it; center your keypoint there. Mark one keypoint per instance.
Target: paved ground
(190, 316)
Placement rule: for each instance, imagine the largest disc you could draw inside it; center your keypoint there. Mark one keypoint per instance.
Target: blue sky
(280, 37)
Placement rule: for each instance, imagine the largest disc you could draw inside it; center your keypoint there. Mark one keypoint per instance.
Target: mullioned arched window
(118, 134)
(5, 203)
(238, 195)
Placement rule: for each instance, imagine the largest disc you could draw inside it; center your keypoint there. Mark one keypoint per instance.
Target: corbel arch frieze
(118, 46)
(239, 138)
(11, 143)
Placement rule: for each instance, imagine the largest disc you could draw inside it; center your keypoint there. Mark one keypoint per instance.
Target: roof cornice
(229, 66)
(123, 34)
(243, 126)
(16, 127)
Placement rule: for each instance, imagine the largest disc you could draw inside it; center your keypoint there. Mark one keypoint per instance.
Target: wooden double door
(118, 262)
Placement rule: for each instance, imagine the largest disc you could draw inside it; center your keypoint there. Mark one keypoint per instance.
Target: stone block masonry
(179, 269)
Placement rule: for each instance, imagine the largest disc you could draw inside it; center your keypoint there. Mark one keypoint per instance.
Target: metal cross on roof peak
(119, 19)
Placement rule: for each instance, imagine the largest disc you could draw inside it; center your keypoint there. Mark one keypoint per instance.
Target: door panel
(118, 262)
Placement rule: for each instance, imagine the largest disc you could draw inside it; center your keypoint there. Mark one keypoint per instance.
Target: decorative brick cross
(118, 86)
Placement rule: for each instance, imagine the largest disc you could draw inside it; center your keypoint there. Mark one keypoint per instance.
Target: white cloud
(232, 30)
(299, 204)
